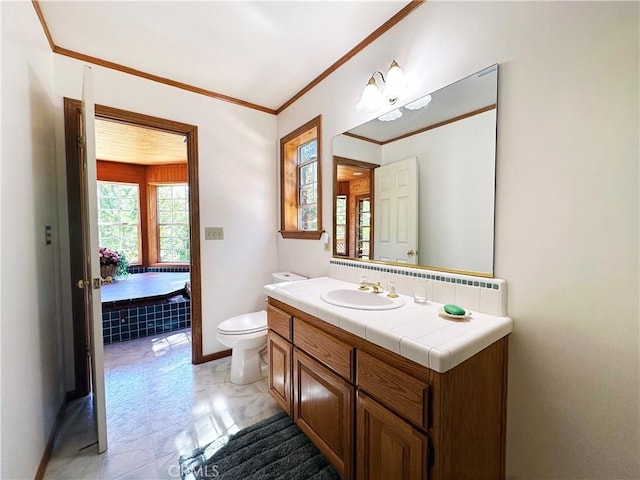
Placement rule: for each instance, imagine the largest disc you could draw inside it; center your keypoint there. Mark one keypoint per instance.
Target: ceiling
(347, 173)
(262, 53)
(122, 142)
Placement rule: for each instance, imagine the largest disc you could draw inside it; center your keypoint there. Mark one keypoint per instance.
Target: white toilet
(246, 335)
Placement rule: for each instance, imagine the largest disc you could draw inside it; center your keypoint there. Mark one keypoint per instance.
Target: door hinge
(87, 349)
(97, 283)
(80, 141)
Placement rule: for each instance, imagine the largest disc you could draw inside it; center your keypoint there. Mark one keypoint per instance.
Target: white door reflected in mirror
(396, 207)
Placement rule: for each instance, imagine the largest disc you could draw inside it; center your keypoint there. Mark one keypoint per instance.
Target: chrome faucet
(375, 286)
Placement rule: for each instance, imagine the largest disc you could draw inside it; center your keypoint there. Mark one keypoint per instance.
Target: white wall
(566, 209)
(356, 149)
(456, 170)
(236, 152)
(32, 369)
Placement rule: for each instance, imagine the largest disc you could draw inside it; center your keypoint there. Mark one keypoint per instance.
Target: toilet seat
(244, 324)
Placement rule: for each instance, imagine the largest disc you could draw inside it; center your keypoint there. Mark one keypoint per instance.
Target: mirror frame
(346, 161)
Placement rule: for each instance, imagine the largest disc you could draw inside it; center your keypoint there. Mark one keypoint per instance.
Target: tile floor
(159, 406)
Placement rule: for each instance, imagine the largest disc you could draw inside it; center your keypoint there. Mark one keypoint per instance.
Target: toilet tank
(280, 277)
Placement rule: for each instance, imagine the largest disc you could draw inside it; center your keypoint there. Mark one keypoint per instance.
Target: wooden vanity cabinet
(377, 415)
(388, 446)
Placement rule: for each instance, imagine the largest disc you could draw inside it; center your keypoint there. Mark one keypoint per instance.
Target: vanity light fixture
(374, 98)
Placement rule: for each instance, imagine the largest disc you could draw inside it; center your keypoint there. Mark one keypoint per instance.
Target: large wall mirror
(417, 186)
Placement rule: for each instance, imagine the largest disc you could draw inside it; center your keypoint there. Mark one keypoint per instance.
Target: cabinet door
(323, 409)
(279, 355)
(388, 448)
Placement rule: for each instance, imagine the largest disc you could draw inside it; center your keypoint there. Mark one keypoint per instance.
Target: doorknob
(411, 253)
(97, 282)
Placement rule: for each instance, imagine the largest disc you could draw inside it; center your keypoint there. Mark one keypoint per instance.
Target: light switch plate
(214, 233)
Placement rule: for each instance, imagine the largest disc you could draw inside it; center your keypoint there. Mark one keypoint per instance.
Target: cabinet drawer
(398, 391)
(334, 353)
(279, 322)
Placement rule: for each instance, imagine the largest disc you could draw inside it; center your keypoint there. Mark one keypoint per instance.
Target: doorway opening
(353, 208)
(179, 257)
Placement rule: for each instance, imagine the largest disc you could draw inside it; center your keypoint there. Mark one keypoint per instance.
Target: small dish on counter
(466, 314)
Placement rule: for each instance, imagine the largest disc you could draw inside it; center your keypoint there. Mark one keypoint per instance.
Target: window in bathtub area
(119, 218)
(144, 211)
(173, 223)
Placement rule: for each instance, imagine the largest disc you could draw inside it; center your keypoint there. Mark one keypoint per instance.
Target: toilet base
(245, 366)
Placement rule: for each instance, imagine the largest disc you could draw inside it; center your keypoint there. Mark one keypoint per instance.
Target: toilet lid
(245, 323)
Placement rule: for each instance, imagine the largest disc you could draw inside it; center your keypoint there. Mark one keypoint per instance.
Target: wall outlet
(213, 233)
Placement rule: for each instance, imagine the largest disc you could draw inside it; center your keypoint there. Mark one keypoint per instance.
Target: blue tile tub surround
(128, 323)
(141, 269)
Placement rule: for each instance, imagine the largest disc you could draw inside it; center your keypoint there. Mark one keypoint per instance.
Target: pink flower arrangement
(108, 256)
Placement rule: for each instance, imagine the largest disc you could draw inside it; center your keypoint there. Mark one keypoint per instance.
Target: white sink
(361, 300)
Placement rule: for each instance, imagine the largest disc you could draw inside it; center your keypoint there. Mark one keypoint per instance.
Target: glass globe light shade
(396, 83)
(371, 99)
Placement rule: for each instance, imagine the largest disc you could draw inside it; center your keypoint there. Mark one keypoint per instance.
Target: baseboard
(215, 356)
(48, 449)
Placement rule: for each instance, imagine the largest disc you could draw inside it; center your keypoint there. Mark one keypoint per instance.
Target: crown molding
(219, 96)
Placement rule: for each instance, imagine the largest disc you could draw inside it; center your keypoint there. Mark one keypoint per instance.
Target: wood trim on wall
(219, 96)
(48, 449)
(215, 356)
(72, 114)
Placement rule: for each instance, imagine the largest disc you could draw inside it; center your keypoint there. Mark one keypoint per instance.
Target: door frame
(337, 160)
(72, 110)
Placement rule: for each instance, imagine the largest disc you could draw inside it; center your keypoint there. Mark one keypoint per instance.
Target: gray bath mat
(274, 448)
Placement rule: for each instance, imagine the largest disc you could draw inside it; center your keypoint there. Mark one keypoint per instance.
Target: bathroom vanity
(373, 412)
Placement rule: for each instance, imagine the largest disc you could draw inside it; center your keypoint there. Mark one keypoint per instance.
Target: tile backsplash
(486, 295)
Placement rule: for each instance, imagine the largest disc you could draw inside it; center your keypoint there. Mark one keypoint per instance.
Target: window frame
(346, 225)
(290, 181)
(359, 227)
(139, 224)
(155, 186)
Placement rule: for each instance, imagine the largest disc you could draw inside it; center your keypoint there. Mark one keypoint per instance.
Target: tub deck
(143, 289)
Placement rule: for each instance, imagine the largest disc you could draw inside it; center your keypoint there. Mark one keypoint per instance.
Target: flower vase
(107, 271)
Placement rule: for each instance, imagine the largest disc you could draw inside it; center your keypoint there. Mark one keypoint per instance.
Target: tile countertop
(415, 331)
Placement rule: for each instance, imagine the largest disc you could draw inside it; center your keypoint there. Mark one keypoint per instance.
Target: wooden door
(388, 448)
(279, 378)
(323, 409)
(396, 212)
